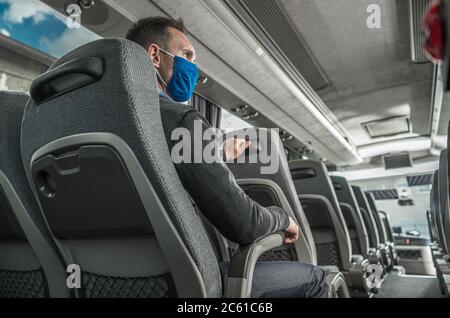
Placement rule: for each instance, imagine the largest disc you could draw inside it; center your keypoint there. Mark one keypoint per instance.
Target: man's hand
(291, 233)
(234, 147)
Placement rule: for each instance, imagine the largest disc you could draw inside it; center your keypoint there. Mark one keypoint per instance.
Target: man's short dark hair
(154, 30)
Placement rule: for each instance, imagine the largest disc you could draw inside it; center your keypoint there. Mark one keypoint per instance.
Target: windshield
(406, 205)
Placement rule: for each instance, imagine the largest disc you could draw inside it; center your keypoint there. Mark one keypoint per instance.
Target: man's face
(178, 45)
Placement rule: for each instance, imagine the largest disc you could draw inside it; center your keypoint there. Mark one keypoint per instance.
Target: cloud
(3, 80)
(68, 40)
(18, 11)
(5, 32)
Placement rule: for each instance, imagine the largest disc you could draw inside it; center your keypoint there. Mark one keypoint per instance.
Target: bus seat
(443, 189)
(260, 186)
(369, 222)
(352, 215)
(319, 201)
(386, 220)
(384, 245)
(274, 189)
(30, 266)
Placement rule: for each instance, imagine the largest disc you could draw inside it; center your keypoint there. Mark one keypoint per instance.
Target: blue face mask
(184, 78)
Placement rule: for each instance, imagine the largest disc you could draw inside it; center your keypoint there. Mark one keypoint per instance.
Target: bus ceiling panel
(371, 72)
(411, 100)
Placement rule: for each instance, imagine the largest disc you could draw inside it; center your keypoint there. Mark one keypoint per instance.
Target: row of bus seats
(439, 218)
(344, 227)
(87, 188)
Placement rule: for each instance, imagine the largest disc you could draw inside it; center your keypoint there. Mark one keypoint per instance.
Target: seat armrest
(337, 287)
(330, 269)
(240, 277)
(374, 256)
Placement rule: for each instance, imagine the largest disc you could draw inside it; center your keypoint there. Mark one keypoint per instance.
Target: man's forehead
(180, 40)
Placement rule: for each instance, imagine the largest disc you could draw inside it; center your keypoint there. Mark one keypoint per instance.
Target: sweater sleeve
(219, 197)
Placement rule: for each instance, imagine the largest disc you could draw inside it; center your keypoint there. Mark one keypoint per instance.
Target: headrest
(376, 216)
(344, 192)
(266, 150)
(367, 211)
(371, 201)
(361, 198)
(308, 169)
(311, 177)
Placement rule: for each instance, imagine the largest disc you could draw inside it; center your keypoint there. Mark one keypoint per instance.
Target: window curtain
(210, 111)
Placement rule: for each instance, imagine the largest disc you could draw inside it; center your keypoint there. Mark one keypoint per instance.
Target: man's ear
(154, 53)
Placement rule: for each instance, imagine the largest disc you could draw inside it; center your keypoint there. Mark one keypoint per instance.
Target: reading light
(202, 79)
(254, 115)
(240, 109)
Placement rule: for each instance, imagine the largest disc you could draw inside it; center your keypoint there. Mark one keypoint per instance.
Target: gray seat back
(352, 214)
(430, 226)
(444, 198)
(29, 263)
(374, 239)
(431, 214)
(436, 208)
(378, 224)
(95, 152)
(267, 141)
(322, 209)
(387, 225)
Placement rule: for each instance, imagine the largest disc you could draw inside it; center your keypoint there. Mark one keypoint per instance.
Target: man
(212, 186)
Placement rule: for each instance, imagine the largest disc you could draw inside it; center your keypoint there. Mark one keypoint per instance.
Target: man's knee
(319, 285)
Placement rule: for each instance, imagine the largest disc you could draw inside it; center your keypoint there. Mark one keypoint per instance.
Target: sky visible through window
(39, 26)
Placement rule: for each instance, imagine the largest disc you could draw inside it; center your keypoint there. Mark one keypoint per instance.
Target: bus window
(42, 28)
(231, 122)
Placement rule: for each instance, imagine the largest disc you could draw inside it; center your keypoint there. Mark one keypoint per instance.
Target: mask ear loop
(158, 75)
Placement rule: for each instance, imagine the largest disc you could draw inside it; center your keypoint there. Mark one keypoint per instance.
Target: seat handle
(65, 78)
(303, 173)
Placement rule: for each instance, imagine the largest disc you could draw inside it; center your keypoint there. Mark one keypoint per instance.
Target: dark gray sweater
(214, 189)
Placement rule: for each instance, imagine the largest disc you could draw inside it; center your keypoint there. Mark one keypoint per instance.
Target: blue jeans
(286, 280)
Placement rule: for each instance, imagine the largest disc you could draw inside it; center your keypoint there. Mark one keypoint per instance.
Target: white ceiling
(370, 70)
